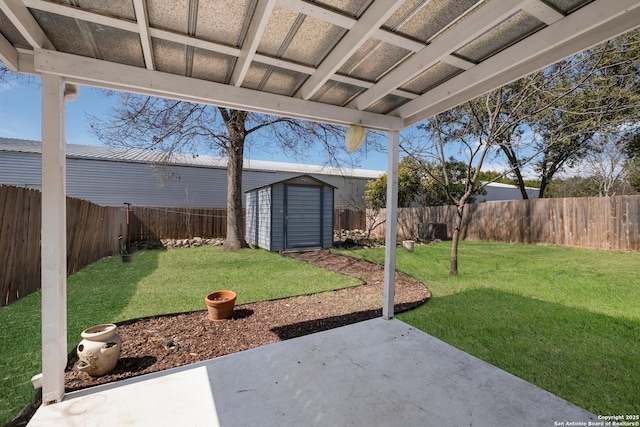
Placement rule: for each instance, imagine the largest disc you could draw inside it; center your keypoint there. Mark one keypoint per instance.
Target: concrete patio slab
(374, 373)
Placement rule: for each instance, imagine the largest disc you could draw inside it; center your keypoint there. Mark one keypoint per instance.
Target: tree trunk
(235, 220)
(453, 265)
(515, 167)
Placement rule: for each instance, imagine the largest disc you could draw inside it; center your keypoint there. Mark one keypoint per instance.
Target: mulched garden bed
(163, 342)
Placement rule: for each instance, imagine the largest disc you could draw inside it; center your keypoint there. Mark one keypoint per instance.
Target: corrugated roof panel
(279, 27)
(283, 82)
(223, 21)
(423, 20)
(169, 56)
(9, 31)
(66, 34)
(170, 16)
(312, 42)
(388, 103)
(502, 36)
(117, 45)
(373, 60)
(336, 93)
(439, 73)
(568, 6)
(350, 7)
(354, 61)
(119, 8)
(255, 75)
(211, 66)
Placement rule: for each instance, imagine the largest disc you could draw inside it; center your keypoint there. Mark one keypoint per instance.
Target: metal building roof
(76, 151)
(385, 64)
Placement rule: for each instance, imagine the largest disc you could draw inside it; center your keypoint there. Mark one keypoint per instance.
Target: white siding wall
(21, 170)
(112, 183)
(264, 218)
(277, 217)
(501, 192)
(251, 218)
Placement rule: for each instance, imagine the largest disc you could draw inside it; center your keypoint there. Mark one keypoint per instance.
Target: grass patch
(565, 319)
(154, 283)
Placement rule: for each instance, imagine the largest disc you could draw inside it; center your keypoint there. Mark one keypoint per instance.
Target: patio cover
(382, 64)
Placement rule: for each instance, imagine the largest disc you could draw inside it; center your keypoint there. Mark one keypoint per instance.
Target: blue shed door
(304, 216)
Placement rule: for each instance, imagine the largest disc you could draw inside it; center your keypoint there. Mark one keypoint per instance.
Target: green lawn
(565, 319)
(155, 282)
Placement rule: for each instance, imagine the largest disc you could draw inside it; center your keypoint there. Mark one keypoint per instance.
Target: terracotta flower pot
(220, 305)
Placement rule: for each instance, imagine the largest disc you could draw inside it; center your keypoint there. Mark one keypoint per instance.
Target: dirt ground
(159, 343)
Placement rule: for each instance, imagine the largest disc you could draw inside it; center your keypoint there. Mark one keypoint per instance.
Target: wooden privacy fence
(610, 223)
(92, 233)
(178, 223)
(349, 219)
(208, 223)
(19, 242)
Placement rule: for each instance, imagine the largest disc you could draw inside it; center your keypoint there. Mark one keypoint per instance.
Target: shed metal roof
(386, 64)
(135, 155)
(302, 177)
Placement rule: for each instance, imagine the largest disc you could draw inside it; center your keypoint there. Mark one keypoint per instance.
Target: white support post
(54, 240)
(391, 225)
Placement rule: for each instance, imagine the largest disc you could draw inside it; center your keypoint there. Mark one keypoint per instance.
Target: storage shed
(293, 214)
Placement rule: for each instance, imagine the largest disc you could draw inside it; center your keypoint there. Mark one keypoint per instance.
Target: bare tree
(606, 166)
(5, 73)
(171, 126)
(464, 128)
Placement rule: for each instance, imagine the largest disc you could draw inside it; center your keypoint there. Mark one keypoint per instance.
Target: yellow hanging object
(355, 137)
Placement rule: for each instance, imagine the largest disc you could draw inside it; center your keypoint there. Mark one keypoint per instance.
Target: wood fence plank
(609, 223)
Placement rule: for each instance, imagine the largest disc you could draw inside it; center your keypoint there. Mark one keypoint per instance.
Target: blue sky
(20, 118)
(20, 114)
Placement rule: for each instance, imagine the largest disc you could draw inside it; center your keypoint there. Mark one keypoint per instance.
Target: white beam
(254, 34)
(71, 92)
(8, 54)
(54, 240)
(83, 15)
(195, 42)
(94, 72)
(458, 62)
(480, 21)
(130, 26)
(391, 223)
(347, 22)
(25, 62)
(371, 20)
(140, 8)
(398, 40)
(321, 13)
(22, 19)
(542, 11)
(587, 27)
